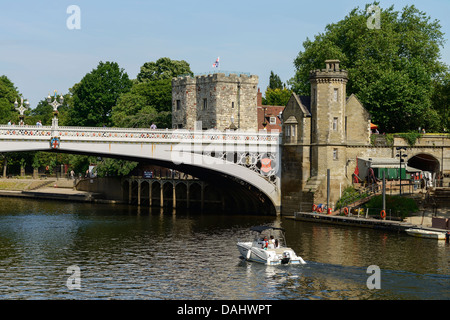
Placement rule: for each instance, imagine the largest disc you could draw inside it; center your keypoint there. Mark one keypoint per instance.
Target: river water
(60, 250)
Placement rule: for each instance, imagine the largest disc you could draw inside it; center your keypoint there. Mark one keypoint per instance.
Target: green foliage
(163, 69)
(276, 97)
(44, 112)
(96, 94)
(410, 137)
(147, 102)
(349, 195)
(391, 69)
(113, 167)
(275, 81)
(400, 206)
(276, 93)
(441, 99)
(8, 94)
(150, 98)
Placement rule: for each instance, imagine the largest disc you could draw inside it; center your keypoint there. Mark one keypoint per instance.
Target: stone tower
(328, 127)
(217, 100)
(328, 118)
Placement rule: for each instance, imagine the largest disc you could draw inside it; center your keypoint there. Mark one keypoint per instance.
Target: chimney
(259, 98)
(332, 65)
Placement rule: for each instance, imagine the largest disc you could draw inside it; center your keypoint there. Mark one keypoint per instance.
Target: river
(59, 250)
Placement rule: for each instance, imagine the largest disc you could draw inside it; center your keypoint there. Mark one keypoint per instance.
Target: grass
(399, 206)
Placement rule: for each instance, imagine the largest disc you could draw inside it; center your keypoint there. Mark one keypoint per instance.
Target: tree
(114, 167)
(150, 99)
(441, 99)
(276, 97)
(163, 68)
(96, 94)
(391, 69)
(275, 82)
(44, 112)
(8, 94)
(276, 93)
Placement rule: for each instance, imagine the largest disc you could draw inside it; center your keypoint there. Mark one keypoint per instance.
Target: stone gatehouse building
(217, 100)
(330, 131)
(317, 132)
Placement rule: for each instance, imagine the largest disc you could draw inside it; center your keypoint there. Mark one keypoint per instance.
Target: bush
(349, 195)
(399, 206)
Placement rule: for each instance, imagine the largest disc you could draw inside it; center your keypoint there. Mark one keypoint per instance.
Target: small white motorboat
(426, 234)
(260, 251)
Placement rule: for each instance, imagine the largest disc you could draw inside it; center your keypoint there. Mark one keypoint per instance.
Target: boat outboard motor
(286, 258)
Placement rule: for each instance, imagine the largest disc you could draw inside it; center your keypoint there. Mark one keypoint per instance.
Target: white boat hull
(268, 256)
(426, 234)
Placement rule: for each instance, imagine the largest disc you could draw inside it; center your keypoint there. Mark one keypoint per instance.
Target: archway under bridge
(206, 194)
(425, 162)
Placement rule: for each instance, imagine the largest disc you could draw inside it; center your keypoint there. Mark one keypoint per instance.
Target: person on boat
(271, 243)
(277, 245)
(265, 243)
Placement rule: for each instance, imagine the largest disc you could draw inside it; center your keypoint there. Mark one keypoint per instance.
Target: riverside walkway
(355, 221)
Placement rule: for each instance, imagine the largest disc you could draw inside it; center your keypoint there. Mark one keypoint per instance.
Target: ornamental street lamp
(21, 109)
(55, 104)
(401, 156)
(264, 118)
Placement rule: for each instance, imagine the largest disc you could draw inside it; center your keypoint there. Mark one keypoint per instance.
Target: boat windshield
(263, 231)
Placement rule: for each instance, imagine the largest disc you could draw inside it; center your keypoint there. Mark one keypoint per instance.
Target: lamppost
(401, 156)
(232, 125)
(264, 123)
(55, 104)
(21, 109)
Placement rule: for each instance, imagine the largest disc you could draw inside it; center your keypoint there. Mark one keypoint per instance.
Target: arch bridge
(232, 160)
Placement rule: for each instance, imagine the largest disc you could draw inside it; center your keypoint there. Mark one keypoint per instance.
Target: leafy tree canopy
(8, 94)
(391, 69)
(275, 82)
(96, 94)
(163, 68)
(276, 97)
(44, 112)
(150, 99)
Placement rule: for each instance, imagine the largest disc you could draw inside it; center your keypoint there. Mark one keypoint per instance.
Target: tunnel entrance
(425, 162)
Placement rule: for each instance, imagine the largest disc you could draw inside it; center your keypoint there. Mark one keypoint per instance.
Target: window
(273, 120)
(335, 96)
(232, 105)
(205, 104)
(335, 154)
(335, 124)
(178, 104)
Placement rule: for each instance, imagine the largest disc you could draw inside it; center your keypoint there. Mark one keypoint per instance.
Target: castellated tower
(328, 122)
(321, 132)
(215, 101)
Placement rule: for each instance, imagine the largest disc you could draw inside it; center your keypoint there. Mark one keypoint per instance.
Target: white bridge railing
(136, 135)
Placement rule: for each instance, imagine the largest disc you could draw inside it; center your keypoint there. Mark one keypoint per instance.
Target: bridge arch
(425, 162)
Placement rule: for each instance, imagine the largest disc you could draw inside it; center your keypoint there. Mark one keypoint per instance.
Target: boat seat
(278, 250)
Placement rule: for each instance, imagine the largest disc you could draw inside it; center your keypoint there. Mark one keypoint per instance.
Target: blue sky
(40, 54)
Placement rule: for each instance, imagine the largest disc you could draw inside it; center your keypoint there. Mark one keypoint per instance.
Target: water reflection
(128, 254)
